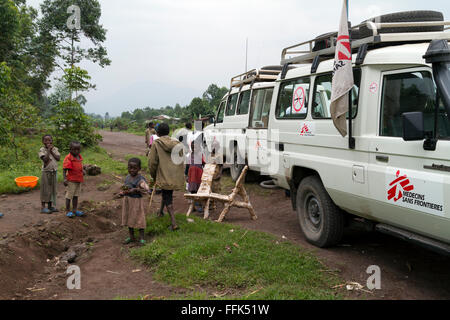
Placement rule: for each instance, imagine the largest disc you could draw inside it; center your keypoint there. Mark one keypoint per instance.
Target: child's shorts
(73, 189)
(167, 197)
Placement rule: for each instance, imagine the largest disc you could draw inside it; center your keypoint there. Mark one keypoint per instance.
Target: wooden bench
(205, 194)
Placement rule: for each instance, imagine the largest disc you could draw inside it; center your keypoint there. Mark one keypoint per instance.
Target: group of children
(73, 173)
(168, 175)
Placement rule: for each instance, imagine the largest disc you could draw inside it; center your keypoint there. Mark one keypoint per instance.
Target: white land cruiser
(394, 168)
(242, 117)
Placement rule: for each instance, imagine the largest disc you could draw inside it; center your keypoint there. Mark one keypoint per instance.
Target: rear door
(409, 186)
(258, 151)
(214, 132)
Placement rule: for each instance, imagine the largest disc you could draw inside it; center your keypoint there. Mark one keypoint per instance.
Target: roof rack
(256, 75)
(307, 56)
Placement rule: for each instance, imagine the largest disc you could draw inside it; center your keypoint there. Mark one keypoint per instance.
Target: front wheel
(321, 221)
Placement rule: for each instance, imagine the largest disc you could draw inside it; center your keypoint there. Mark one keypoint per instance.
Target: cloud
(165, 52)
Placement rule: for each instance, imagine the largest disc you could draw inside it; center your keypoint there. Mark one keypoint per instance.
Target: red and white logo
(344, 48)
(305, 130)
(398, 186)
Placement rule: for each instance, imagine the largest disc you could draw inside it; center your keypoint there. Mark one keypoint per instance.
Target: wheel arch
(297, 175)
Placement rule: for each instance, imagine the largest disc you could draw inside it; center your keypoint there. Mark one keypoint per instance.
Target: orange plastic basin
(26, 182)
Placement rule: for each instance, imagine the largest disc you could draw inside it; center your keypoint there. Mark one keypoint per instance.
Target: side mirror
(413, 126)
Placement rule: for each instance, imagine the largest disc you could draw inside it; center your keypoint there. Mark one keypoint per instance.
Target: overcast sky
(165, 52)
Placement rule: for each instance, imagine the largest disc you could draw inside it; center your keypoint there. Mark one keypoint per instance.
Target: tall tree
(213, 95)
(56, 22)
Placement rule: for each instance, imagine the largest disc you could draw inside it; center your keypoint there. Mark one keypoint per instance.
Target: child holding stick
(133, 214)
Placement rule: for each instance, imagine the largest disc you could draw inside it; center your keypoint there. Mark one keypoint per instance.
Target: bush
(71, 123)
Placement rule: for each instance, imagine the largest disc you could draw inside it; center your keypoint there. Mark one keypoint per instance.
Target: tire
(236, 169)
(323, 41)
(321, 221)
(406, 16)
(269, 184)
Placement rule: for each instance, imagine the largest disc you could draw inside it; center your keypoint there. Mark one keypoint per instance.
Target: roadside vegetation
(232, 263)
(29, 163)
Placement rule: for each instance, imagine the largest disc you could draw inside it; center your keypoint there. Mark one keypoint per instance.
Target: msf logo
(305, 130)
(400, 183)
(344, 49)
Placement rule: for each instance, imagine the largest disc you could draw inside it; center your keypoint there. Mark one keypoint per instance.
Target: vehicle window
(244, 102)
(322, 95)
(231, 106)
(293, 99)
(260, 107)
(266, 107)
(220, 113)
(410, 92)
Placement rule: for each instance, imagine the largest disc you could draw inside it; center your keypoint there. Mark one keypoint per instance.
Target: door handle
(383, 158)
(280, 146)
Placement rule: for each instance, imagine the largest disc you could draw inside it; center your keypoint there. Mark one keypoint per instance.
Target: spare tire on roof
(323, 41)
(406, 16)
(277, 67)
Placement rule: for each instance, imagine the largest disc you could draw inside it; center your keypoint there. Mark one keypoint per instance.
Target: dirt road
(407, 271)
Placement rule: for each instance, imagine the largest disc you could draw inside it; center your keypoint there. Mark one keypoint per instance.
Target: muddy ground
(34, 247)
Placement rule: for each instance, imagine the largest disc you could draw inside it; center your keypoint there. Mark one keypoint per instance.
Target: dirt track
(407, 271)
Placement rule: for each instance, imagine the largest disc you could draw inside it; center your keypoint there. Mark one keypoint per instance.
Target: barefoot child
(50, 156)
(133, 214)
(195, 171)
(168, 175)
(73, 177)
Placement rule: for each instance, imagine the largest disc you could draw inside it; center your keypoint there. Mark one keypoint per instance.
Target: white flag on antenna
(342, 75)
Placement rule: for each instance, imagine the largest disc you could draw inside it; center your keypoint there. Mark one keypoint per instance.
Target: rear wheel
(321, 221)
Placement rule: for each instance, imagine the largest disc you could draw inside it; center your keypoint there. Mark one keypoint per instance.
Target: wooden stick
(151, 198)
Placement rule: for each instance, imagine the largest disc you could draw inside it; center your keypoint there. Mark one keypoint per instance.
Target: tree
(213, 95)
(71, 123)
(55, 24)
(16, 111)
(196, 108)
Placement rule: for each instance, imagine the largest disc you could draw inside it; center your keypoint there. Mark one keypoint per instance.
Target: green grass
(30, 164)
(241, 265)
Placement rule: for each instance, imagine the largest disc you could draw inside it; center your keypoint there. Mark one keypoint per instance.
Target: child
(50, 156)
(195, 172)
(73, 177)
(168, 175)
(133, 214)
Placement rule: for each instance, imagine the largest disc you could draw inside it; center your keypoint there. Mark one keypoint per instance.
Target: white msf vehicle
(393, 171)
(242, 118)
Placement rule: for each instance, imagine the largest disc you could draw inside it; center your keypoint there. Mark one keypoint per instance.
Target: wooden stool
(204, 194)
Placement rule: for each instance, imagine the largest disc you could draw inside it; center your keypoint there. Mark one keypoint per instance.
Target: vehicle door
(258, 151)
(214, 132)
(409, 186)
